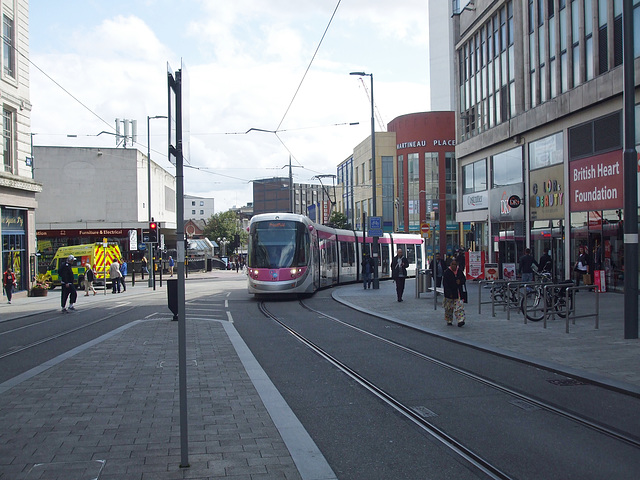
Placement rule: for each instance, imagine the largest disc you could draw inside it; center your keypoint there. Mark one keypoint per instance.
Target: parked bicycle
(501, 294)
(533, 303)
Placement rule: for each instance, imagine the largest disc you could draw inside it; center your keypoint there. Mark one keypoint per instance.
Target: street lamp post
(376, 283)
(149, 245)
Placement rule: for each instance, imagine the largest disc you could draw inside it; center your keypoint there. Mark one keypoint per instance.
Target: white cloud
(245, 60)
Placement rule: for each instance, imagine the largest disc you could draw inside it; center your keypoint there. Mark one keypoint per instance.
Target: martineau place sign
(427, 143)
(596, 182)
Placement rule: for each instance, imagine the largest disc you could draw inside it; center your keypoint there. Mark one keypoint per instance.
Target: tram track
(635, 442)
(458, 447)
(407, 412)
(57, 335)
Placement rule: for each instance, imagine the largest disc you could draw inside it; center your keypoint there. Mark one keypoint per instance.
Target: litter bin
(423, 282)
(172, 296)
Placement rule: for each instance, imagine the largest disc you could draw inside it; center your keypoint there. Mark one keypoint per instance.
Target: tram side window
(410, 253)
(347, 254)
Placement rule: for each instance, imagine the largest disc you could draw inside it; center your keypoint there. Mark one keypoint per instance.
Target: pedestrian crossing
(208, 308)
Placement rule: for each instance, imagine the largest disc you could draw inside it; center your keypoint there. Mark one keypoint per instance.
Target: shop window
(546, 151)
(474, 177)
(507, 168)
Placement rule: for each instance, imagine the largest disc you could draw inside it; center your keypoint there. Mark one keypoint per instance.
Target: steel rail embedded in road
(60, 334)
(460, 449)
(633, 441)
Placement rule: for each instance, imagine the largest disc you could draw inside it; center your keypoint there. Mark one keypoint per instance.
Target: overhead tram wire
(61, 87)
(308, 67)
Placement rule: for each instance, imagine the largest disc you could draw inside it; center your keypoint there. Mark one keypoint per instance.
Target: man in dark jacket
(461, 259)
(399, 266)
(526, 265)
(438, 266)
(68, 288)
(367, 270)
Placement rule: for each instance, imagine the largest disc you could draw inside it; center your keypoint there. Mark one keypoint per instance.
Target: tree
(225, 225)
(339, 220)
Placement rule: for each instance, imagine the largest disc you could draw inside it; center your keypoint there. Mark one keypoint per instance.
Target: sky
(94, 61)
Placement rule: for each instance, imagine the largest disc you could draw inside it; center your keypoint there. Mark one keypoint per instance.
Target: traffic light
(153, 232)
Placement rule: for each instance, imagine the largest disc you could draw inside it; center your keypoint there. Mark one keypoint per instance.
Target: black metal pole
(630, 159)
(375, 253)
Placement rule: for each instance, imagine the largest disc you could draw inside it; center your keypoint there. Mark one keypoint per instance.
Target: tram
(289, 253)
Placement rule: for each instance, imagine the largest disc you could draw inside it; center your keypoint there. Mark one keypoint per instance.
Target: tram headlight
(294, 272)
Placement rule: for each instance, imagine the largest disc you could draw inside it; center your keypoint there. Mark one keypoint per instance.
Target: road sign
(425, 230)
(375, 227)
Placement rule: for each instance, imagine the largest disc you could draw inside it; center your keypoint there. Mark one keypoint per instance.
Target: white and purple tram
(289, 253)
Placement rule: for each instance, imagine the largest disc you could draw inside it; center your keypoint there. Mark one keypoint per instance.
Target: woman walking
(453, 281)
(8, 281)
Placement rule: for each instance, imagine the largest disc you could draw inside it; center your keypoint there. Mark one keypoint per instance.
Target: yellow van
(99, 257)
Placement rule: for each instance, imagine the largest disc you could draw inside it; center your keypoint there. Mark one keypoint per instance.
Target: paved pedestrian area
(600, 355)
(110, 410)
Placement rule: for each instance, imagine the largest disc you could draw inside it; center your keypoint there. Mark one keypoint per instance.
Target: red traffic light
(153, 226)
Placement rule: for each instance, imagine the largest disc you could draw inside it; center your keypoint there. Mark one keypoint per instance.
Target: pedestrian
(399, 272)
(526, 265)
(544, 263)
(367, 270)
(9, 281)
(144, 266)
(114, 276)
(453, 282)
(123, 272)
(582, 266)
(461, 259)
(88, 280)
(598, 261)
(438, 266)
(68, 288)
(171, 265)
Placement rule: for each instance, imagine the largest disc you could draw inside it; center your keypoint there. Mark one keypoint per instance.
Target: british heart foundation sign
(596, 183)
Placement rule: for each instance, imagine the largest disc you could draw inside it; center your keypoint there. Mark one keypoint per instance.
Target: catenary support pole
(630, 158)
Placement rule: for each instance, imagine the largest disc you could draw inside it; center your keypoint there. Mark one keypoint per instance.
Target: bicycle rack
(568, 307)
(574, 316)
(481, 284)
(519, 285)
(494, 283)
